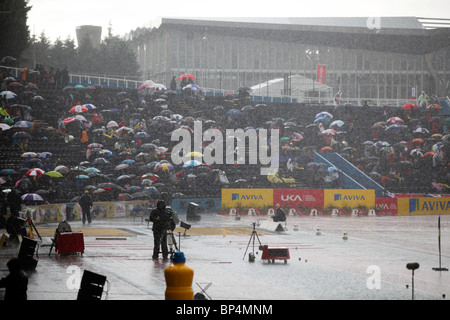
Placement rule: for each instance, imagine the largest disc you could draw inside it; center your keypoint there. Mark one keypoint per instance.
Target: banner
(321, 73)
(423, 205)
(386, 206)
(247, 198)
(296, 198)
(349, 198)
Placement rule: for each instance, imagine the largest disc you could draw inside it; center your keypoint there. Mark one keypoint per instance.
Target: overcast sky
(59, 18)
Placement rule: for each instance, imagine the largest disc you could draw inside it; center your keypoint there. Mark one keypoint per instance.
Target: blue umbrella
(128, 161)
(234, 112)
(23, 124)
(191, 163)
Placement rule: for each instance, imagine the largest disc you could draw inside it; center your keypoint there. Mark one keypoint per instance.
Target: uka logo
(213, 153)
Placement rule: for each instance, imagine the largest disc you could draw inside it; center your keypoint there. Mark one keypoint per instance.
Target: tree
(14, 33)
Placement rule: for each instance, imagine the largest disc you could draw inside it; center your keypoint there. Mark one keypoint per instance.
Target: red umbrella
(78, 109)
(187, 76)
(326, 149)
(410, 105)
(329, 132)
(69, 120)
(394, 120)
(433, 107)
(35, 172)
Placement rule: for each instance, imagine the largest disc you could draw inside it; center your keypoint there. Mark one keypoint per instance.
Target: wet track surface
(370, 264)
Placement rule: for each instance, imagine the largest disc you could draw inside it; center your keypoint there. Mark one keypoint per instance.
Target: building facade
(381, 60)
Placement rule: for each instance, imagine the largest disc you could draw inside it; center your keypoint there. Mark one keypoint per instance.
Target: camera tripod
(254, 235)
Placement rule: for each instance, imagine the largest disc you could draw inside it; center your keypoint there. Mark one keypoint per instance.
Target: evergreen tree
(14, 33)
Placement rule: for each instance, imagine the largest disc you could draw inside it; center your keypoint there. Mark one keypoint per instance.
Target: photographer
(162, 219)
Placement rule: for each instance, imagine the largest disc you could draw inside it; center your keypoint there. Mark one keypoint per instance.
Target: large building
(382, 60)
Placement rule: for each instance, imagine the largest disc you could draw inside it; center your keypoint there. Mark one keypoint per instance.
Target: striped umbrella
(32, 197)
(35, 172)
(78, 109)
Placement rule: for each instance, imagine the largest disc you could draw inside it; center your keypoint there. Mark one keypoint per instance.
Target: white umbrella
(112, 124)
(8, 94)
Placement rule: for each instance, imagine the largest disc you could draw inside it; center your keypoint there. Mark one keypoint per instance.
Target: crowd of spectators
(123, 137)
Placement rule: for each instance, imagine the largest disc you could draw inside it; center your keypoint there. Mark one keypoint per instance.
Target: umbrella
(142, 86)
(128, 161)
(79, 86)
(95, 145)
(4, 126)
(8, 172)
(194, 155)
(324, 114)
(89, 106)
(69, 120)
(191, 163)
(91, 170)
(29, 154)
(124, 197)
(45, 154)
(35, 172)
(82, 176)
(150, 176)
(23, 124)
(192, 86)
(141, 135)
(78, 109)
(326, 149)
(421, 130)
(112, 124)
(62, 169)
(164, 167)
(122, 166)
(186, 76)
(434, 107)
(394, 120)
(329, 132)
(158, 86)
(234, 112)
(322, 119)
(410, 105)
(338, 123)
(21, 135)
(32, 197)
(100, 161)
(54, 174)
(8, 94)
(111, 185)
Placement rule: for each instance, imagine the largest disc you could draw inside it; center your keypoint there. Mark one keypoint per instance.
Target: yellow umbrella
(194, 155)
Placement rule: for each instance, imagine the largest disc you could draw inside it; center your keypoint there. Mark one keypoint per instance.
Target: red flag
(321, 73)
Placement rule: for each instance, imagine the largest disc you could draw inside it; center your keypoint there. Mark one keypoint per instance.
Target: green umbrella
(54, 174)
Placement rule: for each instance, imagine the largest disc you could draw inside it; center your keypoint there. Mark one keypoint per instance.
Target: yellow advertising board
(349, 198)
(247, 198)
(423, 205)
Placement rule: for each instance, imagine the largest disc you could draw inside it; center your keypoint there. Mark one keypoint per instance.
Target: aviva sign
(232, 198)
(351, 198)
(424, 205)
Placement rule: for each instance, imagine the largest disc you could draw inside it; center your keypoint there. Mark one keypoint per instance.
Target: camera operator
(163, 220)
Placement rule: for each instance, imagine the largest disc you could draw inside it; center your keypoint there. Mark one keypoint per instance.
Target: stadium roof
(391, 34)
